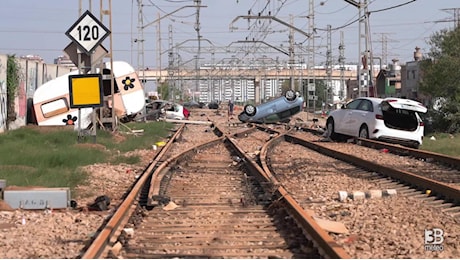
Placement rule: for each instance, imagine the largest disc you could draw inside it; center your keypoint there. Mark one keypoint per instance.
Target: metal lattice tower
(456, 14)
(342, 67)
(171, 62)
(198, 36)
(140, 36)
(384, 41)
(311, 56)
(329, 92)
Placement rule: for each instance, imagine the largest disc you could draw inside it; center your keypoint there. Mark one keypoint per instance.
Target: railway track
(282, 175)
(319, 170)
(217, 210)
(211, 201)
(423, 170)
(206, 202)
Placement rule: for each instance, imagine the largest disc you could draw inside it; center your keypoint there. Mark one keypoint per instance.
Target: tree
(440, 73)
(441, 78)
(12, 83)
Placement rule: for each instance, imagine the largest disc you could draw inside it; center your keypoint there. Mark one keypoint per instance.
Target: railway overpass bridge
(225, 73)
(243, 85)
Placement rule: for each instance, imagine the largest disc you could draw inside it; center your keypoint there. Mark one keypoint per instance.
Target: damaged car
(393, 120)
(157, 109)
(277, 110)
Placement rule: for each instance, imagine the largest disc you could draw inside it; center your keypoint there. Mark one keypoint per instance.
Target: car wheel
(363, 132)
(415, 145)
(330, 133)
(290, 95)
(250, 110)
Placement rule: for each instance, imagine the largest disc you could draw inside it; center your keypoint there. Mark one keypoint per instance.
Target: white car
(394, 120)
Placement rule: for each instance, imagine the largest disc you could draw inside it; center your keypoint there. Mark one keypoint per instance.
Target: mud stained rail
(211, 206)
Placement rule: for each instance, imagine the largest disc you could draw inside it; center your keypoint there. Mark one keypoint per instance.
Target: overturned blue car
(277, 110)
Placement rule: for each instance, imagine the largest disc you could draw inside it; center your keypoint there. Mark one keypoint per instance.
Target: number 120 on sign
(88, 32)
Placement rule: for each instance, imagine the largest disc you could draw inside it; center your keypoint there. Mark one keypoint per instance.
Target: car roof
(401, 103)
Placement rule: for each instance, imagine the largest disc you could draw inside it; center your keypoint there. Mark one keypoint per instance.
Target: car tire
(250, 110)
(415, 145)
(290, 95)
(330, 133)
(363, 132)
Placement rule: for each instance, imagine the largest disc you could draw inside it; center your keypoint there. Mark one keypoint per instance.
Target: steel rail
(325, 243)
(403, 150)
(437, 188)
(103, 238)
(320, 237)
(230, 142)
(163, 167)
(442, 158)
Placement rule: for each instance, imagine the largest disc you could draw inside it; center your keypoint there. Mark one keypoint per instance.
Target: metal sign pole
(88, 33)
(80, 135)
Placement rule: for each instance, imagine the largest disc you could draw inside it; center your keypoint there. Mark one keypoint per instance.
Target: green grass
(51, 157)
(444, 144)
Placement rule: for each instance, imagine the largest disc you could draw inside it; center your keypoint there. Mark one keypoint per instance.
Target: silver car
(277, 110)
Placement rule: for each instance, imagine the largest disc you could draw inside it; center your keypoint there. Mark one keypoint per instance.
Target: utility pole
(140, 38)
(329, 97)
(456, 14)
(159, 47)
(384, 42)
(342, 67)
(142, 26)
(368, 62)
(198, 36)
(291, 54)
(171, 63)
(311, 84)
(364, 68)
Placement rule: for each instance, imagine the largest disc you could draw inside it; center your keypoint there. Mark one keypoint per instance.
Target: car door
(348, 118)
(362, 115)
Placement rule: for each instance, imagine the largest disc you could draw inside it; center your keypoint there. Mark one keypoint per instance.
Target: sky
(396, 27)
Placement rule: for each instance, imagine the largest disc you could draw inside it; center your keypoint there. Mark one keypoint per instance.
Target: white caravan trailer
(51, 100)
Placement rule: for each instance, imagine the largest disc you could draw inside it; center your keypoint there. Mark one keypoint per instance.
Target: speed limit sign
(88, 32)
